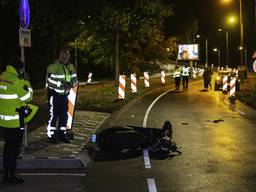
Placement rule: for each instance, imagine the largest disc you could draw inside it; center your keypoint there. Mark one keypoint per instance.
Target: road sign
(24, 12)
(25, 37)
(254, 66)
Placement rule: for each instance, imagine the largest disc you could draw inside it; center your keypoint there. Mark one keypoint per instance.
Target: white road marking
(54, 174)
(225, 101)
(241, 112)
(146, 159)
(238, 110)
(150, 107)
(151, 185)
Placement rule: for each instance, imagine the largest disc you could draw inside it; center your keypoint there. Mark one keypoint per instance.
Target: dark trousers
(206, 84)
(185, 82)
(13, 140)
(177, 83)
(58, 107)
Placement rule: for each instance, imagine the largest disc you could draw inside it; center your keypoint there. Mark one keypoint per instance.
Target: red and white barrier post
(146, 79)
(225, 84)
(71, 106)
(162, 76)
(121, 87)
(133, 83)
(89, 80)
(232, 92)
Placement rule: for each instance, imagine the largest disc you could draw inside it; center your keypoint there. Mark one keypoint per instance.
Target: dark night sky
(211, 15)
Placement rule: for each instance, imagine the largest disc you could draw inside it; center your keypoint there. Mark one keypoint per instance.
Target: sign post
(24, 41)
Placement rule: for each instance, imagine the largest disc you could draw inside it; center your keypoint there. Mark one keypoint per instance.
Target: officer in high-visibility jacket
(61, 77)
(185, 77)
(177, 77)
(15, 93)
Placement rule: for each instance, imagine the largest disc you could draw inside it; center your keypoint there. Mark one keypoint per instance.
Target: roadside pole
(24, 41)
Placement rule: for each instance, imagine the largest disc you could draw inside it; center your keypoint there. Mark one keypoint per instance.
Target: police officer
(177, 76)
(15, 92)
(185, 77)
(61, 77)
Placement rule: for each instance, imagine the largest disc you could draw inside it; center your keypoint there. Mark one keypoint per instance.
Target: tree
(127, 31)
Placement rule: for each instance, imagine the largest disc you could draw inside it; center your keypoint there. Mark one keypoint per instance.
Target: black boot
(62, 137)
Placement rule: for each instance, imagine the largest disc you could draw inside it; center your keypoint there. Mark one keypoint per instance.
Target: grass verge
(247, 94)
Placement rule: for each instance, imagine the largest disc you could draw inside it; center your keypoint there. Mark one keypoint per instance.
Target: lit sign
(188, 52)
(24, 12)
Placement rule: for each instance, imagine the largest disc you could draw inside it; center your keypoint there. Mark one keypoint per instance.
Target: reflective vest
(14, 93)
(58, 75)
(185, 71)
(176, 73)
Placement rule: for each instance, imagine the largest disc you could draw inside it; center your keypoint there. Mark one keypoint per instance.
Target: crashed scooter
(134, 138)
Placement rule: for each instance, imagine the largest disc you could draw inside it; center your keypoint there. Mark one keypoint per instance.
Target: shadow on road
(108, 155)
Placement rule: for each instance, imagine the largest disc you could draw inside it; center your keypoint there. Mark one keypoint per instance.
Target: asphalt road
(217, 140)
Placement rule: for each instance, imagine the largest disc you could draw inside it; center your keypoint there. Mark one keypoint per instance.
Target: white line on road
(150, 107)
(241, 112)
(54, 174)
(238, 110)
(146, 159)
(151, 185)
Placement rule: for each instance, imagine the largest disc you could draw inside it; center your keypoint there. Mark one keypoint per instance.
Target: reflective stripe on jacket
(58, 75)
(176, 73)
(14, 93)
(185, 71)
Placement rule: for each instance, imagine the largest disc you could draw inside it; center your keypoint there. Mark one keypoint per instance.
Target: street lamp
(227, 45)
(245, 60)
(218, 51)
(242, 53)
(226, 1)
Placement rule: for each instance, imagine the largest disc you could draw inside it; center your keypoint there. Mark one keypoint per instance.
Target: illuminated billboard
(188, 52)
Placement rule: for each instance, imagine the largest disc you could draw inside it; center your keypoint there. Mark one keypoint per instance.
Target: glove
(24, 110)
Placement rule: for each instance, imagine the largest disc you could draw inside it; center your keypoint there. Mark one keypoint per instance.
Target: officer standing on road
(61, 77)
(207, 79)
(177, 76)
(185, 77)
(15, 92)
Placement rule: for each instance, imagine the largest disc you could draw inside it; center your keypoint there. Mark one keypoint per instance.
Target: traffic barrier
(133, 83)
(121, 87)
(225, 84)
(194, 72)
(254, 66)
(232, 92)
(146, 79)
(71, 106)
(89, 80)
(162, 76)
